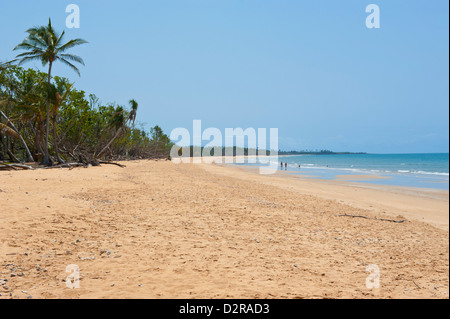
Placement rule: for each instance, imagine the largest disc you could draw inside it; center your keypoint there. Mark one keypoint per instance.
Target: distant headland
(197, 151)
(321, 152)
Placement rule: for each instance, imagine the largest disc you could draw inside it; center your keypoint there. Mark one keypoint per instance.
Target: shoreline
(159, 230)
(403, 199)
(411, 179)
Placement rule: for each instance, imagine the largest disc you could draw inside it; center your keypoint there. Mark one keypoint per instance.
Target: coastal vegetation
(46, 120)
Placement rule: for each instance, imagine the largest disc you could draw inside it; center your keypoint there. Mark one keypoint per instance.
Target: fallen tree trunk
(30, 157)
(67, 165)
(8, 166)
(12, 156)
(23, 166)
(110, 142)
(84, 164)
(15, 166)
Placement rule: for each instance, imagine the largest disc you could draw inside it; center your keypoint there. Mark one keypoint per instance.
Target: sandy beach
(159, 230)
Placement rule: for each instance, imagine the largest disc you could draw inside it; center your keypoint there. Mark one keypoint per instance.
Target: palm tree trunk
(55, 141)
(8, 151)
(39, 140)
(12, 156)
(47, 120)
(37, 146)
(2, 154)
(110, 142)
(30, 157)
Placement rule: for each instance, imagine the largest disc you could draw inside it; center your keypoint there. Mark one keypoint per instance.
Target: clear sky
(312, 69)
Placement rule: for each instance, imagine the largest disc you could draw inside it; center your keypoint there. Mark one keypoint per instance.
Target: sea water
(413, 170)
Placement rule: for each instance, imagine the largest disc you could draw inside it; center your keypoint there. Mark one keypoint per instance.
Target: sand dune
(159, 230)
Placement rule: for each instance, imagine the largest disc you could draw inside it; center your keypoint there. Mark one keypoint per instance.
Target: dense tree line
(45, 119)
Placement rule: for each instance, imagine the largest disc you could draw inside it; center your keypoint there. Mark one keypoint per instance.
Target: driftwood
(15, 166)
(382, 219)
(84, 164)
(111, 163)
(8, 166)
(70, 166)
(23, 166)
(67, 165)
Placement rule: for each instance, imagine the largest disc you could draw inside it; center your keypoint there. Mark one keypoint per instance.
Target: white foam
(431, 173)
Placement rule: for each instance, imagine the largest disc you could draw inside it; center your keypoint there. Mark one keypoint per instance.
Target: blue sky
(309, 68)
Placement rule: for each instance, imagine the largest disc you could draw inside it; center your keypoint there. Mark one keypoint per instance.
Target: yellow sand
(159, 230)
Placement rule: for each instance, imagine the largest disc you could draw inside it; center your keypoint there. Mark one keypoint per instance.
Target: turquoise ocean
(411, 170)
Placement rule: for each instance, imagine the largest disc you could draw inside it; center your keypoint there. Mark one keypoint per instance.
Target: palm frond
(30, 58)
(27, 45)
(50, 27)
(132, 115)
(43, 42)
(34, 52)
(72, 57)
(71, 44)
(5, 130)
(68, 89)
(37, 37)
(70, 65)
(59, 40)
(35, 29)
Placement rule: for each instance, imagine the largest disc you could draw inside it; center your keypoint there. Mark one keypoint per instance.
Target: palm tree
(119, 121)
(45, 44)
(134, 106)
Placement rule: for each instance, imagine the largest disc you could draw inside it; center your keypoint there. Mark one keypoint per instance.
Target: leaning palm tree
(5, 130)
(14, 133)
(134, 106)
(119, 121)
(45, 44)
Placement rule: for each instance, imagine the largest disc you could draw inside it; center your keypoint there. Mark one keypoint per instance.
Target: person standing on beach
(285, 166)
